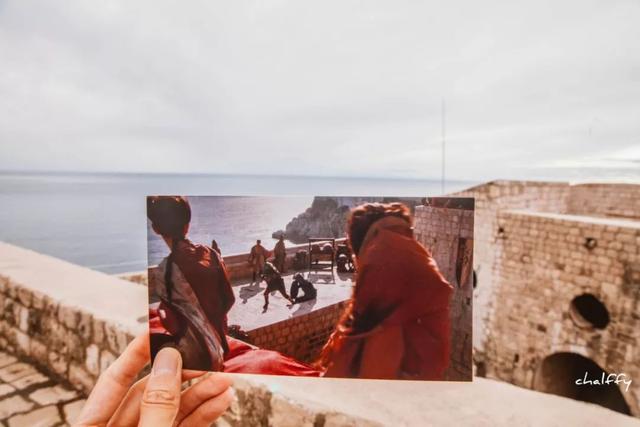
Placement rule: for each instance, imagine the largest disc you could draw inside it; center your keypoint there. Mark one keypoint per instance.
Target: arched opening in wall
(558, 373)
(587, 311)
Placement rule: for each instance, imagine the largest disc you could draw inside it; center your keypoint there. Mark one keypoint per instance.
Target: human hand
(156, 400)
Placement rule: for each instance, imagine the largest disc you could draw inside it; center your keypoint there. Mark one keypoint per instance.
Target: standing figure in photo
(308, 290)
(189, 291)
(257, 257)
(275, 282)
(280, 254)
(397, 323)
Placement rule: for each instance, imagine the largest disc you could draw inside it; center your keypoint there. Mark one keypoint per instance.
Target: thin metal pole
(443, 144)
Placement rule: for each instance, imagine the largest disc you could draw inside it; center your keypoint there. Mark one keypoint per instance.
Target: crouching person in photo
(189, 291)
(397, 323)
(301, 284)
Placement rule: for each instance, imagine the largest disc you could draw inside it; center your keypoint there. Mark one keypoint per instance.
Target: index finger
(114, 383)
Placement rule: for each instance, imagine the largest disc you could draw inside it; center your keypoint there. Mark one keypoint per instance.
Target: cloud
(332, 88)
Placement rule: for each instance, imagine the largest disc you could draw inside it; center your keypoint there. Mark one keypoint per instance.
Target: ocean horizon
(98, 220)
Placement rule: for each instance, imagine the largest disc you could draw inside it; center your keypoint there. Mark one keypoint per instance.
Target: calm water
(99, 221)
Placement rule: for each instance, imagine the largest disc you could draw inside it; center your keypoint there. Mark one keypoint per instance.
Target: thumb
(161, 397)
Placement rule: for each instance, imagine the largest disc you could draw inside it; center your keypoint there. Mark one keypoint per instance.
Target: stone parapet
(69, 320)
(237, 265)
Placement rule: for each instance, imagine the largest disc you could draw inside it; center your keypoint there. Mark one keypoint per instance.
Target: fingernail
(166, 362)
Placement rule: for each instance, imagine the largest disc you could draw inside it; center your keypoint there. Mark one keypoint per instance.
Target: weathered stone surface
(81, 378)
(17, 370)
(6, 359)
(72, 410)
(13, 405)
(287, 413)
(531, 257)
(92, 359)
(58, 364)
(55, 394)
(43, 417)
(6, 389)
(29, 380)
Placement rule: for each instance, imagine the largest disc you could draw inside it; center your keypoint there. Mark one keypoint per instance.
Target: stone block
(43, 417)
(39, 351)
(111, 334)
(6, 389)
(68, 316)
(11, 289)
(72, 410)
(85, 326)
(24, 296)
(14, 405)
(6, 359)
(15, 371)
(92, 359)
(58, 363)
(30, 380)
(285, 413)
(53, 395)
(38, 300)
(98, 331)
(23, 319)
(75, 347)
(81, 378)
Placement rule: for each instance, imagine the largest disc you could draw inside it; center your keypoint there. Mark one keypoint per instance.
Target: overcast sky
(532, 89)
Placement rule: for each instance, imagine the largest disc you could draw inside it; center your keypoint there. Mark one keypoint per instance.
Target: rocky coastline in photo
(327, 216)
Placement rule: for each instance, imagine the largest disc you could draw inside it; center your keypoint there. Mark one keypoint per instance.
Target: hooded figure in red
(397, 325)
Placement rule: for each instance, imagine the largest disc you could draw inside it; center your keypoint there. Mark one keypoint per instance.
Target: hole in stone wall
(590, 243)
(558, 373)
(475, 279)
(587, 311)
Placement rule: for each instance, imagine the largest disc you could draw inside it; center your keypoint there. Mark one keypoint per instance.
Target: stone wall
(239, 269)
(490, 199)
(614, 200)
(448, 233)
(237, 265)
(620, 200)
(542, 263)
(301, 337)
(68, 320)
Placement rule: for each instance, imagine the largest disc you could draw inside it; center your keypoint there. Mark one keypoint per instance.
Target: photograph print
(342, 287)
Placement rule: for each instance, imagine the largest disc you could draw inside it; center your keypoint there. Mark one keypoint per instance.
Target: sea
(99, 220)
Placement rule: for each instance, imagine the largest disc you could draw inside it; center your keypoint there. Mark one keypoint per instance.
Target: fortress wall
(237, 266)
(448, 233)
(616, 200)
(301, 337)
(541, 265)
(69, 320)
(490, 199)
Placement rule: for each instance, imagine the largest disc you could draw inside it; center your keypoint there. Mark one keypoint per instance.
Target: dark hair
(169, 215)
(363, 216)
